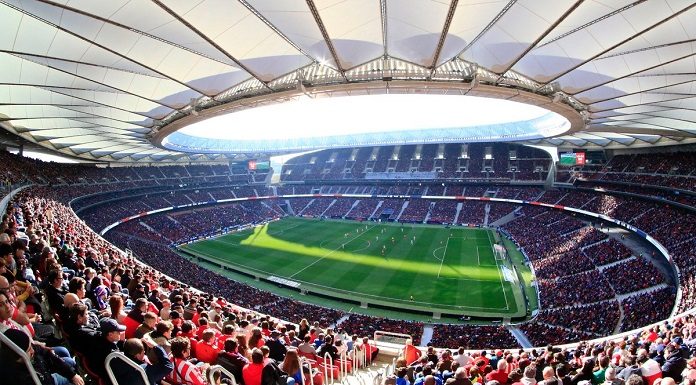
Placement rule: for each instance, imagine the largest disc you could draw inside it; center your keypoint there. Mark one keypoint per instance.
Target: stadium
(387, 192)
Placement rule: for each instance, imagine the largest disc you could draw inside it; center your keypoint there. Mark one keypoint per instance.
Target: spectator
(50, 369)
(156, 370)
(185, 372)
(231, 360)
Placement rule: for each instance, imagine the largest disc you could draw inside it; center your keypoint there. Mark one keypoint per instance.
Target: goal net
(500, 252)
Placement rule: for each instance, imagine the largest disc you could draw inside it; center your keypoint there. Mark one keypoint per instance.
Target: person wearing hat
(276, 346)
(104, 344)
(49, 368)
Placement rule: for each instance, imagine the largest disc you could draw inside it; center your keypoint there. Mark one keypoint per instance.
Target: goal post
(500, 252)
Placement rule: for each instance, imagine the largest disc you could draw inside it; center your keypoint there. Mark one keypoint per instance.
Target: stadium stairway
(459, 209)
(403, 208)
(427, 335)
(505, 219)
(520, 336)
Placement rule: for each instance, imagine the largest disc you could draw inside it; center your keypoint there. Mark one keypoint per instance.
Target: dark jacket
(45, 362)
(155, 372)
(277, 349)
(272, 374)
(234, 362)
(674, 365)
(628, 371)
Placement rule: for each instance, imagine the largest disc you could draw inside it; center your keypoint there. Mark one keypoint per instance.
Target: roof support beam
(540, 38)
(488, 27)
(210, 41)
(622, 42)
(383, 16)
(116, 24)
(443, 35)
(82, 77)
(635, 73)
(327, 38)
(644, 104)
(641, 91)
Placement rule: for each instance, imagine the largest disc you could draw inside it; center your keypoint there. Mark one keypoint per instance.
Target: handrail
(123, 358)
(343, 366)
(328, 368)
(218, 368)
(302, 376)
(23, 355)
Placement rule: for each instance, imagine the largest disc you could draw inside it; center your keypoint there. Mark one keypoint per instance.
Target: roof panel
(414, 31)
(355, 29)
(294, 19)
(514, 32)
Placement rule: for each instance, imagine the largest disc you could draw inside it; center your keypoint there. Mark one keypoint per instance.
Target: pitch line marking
(332, 251)
(443, 254)
(443, 258)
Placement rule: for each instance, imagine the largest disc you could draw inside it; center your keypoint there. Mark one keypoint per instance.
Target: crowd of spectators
(577, 289)
(604, 253)
(646, 308)
(570, 298)
(473, 337)
(633, 275)
(598, 318)
(540, 334)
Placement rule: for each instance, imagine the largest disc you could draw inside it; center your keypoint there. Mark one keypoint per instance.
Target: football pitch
(417, 267)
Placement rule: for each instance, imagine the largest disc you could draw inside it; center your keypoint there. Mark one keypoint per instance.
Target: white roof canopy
(99, 79)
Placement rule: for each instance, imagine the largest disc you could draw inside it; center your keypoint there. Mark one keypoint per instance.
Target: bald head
(430, 380)
(70, 299)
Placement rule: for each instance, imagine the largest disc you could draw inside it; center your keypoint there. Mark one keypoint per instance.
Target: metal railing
(23, 355)
(123, 358)
(328, 369)
(217, 368)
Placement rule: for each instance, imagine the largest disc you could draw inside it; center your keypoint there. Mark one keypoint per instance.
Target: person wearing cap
(49, 368)
(276, 346)
(103, 345)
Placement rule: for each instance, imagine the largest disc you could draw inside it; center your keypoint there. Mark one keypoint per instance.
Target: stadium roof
(106, 80)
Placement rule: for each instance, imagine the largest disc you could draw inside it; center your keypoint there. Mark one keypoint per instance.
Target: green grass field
(418, 267)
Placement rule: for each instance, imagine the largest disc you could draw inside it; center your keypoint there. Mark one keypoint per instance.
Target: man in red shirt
(206, 349)
(253, 370)
(499, 375)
